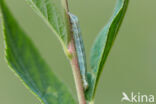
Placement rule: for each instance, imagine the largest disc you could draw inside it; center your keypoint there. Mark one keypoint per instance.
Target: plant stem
(74, 60)
(76, 73)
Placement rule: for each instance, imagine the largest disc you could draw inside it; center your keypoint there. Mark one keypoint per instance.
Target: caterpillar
(80, 50)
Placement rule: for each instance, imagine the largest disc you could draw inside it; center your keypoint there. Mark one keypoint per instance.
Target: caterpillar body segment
(80, 50)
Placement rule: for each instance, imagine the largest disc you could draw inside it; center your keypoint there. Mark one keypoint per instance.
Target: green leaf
(55, 16)
(103, 45)
(28, 65)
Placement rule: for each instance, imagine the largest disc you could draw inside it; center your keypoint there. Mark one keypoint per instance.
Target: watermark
(137, 97)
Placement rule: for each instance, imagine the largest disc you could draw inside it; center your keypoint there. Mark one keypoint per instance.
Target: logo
(137, 98)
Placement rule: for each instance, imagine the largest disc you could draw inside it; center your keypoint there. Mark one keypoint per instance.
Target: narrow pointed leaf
(53, 13)
(103, 45)
(28, 65)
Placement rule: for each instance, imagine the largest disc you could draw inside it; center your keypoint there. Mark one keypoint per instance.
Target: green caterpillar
(79, 49)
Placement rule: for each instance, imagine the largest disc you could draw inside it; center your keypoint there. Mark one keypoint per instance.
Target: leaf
(28, 65)
(55, 16)
(103, 45)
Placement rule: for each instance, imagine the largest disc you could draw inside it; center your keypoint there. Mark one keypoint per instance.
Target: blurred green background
(131, 65)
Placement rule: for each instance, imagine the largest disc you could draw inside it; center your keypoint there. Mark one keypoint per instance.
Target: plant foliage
(103, 44)
(25, 60)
